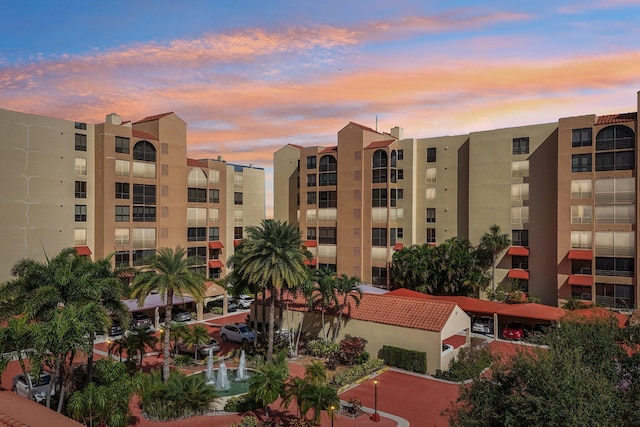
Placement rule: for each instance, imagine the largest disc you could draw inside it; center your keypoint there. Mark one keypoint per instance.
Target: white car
(39, 389)
(244, 301)
(238, 332)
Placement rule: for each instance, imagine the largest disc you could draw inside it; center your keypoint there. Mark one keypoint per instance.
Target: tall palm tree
(318, 398)
(198, 336)
(325, 294)
(348, 288)
(306, 289)
(266, 384)
(138, 340)
(271, 258)
(15, 337)
(494, 242)
(292, 389)
(168, 272)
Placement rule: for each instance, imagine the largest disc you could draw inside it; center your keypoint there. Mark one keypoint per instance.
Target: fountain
(222, 380)
(209, 375)
(241, 375)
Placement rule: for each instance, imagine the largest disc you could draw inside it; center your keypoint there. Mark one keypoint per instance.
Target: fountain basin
(236, 387)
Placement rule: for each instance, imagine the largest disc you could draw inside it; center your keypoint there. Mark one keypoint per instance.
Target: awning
(398, 246)
(581, 279)
(311, 243)
(583, 254)
(237, 242)
(83, 250)
(215, 263)
(517, 273)
(216, 245)
(518, 251)
(153, 301)
(311, 262)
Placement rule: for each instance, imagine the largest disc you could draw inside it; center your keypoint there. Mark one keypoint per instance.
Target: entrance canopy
(153, 301)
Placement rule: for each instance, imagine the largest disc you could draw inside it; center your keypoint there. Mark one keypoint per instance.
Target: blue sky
(251, 76)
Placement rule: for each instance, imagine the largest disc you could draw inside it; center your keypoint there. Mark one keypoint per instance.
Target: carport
(526, 313)
(154, 301)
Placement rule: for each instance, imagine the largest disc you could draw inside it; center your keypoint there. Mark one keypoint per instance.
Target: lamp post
(375, 417)
(332, 409)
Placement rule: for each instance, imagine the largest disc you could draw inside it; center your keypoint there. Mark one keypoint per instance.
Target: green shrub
(411, 360)
(469, 364)
(216, 310)
(242, 403)
(356, 372)
(182, 360)
(246, 421)
(319, 348)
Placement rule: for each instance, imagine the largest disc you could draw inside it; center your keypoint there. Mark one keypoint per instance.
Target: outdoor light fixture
(332, 409)
(375, 417)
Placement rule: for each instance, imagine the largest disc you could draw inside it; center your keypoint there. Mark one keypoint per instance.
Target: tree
(270, 258)
(293, 389)
(168, 272)
(494, 242)
(137, 342)
(266, 383)
(198, 335)
(325, 294)
(318, 398)
(348, 288)
(15, 339)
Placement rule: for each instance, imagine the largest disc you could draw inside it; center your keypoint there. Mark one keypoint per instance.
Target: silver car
(238, 332)
(483, 325)
(39, 388)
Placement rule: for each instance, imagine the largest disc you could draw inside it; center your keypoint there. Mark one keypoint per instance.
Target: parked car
(515, 331)
(231, 306)
(140, 319)
(180, 315)
(203, 350)
(39, 388)
(116, 329)
(244, 301)
(238, 332)
(483, 325)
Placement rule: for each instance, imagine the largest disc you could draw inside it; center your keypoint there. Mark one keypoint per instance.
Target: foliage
(315, 373)
(217, 310)
(266, 382)
(180, 396)
(138, 341)
(572, 304)
(356, 372)
(182, 360)
(242, 403)
(410, 360)
(347, 288)
(324, 294)
(317, 398)
(470, 363)
(320, 348)
(300, 422)
(246, 421)
(493, 243)
(351, 348)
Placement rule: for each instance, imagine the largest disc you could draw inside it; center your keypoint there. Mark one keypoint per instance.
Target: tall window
(328, 171)
(431, 214)
(81, 142)
(520, 146)
(80, 167)
(311, 198)
(121, 236)
(311, 162)
(379, 167)
(81, 190)
(400, 154)
(520, 169)
(122, 190)
(580, 240)
(581, 214)
(311, 180)
(122, 167)
(431, 155)
(430, 195)
(327, 199)
(79, 236)
(214, 196)
(379, 237)
(311, 233)
(81, 213)
(144, 151)
(379, 198)
(431, 176)
(238, 198)
(379, 276)
(581, 137)
(237, 233)
(327, 235)
(122, 213)
(197, 178)
(214, 176)
(519, 214)
(214, 234)
(431, 235)
(581, 188)
(520, 237)
(144, 238)
(521, 262)
(581, 163)
(144, 194)
(615, 149)
(122, 145)
(519, 192)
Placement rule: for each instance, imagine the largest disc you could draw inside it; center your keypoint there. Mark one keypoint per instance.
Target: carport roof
(597, 313)
(533, 311)
(470, 305)
(153, 301)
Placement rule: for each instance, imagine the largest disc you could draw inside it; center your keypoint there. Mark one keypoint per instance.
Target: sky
(250, 76)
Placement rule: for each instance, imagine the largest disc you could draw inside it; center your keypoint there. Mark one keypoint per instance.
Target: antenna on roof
(376, 123)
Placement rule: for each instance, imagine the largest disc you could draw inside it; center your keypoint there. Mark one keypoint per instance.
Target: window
(400, 173)
(238, 178)
(581, 188)
(328, 164)
(394, 196)
(198, 254)
(615, 190)
(327, 199)
(394, 159)
(80, 125)
(81, 213)
(144, 214)
(614, 243)
(431, 214)
(311, 198)
(144, 170)
(379, 276)
(581, 163)
(431, 235)
(311, 162)
(214, 234)
(144, 151)
(519, 192)
(214, 196)
(122, 190)
(311, 180)
(237, 198)
(379, 198)
(214, 176)
(520, 146)
(379, 172)
(197, 178)
(579, 266)
(581, 137)
(80, 166)
(616, 137)
(311, 233)
(609, 266)
(81, 190)
(238, 215)
(122, 259)
(81, 142)
(400, 233)
(379, 237)
(214, 214)
(122, 213)
(614, 295)
(581, 214)
(431, 176)
(196, 234)
(237, 233)
(400, 154)
(615, 214)
(520, 262)
(520, 214)
(122, 145)
(615, 161)
(431, 155)
(79, 236)
(520, 169)
(122, 236)
(327, 235)
(430, 195)
(144, 238)
(144, 194)
(122, 167)
(581, 292)
(520, 237)
(580, 240)
(140, 257)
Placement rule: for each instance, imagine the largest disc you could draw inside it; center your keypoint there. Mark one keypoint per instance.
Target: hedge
(355, 373)
(411, 360)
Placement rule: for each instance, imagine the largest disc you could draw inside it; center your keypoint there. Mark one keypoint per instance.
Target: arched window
(197, 178)
(379, 173)
(328, 168)
(145, 151)
(394, 158)
(615, 149)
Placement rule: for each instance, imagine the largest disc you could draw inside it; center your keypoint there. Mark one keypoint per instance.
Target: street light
(332, 409)
(375, 417)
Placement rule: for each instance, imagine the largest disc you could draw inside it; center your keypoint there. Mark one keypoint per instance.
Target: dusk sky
(251, 76)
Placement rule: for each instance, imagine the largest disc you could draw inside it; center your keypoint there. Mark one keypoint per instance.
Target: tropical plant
(315, 373)
(15, 340)
(351, 348)
(348, 288)
(318, 398)
(270, 258)
(306, 289)
(266, 383)
(168, 272)
(494, 242)
(137, 342)
(325, 294)
(198, 336)
(178, 331)
(292, 389)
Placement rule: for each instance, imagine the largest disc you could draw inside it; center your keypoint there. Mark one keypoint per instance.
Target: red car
(514, 331)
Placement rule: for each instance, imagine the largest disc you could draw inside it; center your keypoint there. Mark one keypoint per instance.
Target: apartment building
(119, 187)
(564, 191)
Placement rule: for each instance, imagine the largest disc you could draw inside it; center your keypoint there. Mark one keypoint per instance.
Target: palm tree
(324, 294)
(14, 339)
(292, 389)
(168, 273)
(266, 383)
(315, 373)
(494, 242)
(138, 340)
(271, 258)
(198, 335)
(318, 398)
(179, 331)
(348, 288)
(307, 289)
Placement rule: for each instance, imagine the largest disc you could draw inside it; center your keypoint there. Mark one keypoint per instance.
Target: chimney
(114, 119)
(397, 132)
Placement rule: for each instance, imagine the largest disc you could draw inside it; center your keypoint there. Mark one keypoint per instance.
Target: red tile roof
(196, 163)
(379, 144)
(299, 147)
(468, 304)
(616, 118)
(533, 311)
(597, 313)
(17, 411)
(144, 135)
(153, 118)
(329, 150)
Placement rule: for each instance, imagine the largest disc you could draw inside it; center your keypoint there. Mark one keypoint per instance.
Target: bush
(216, 310)
(351, 348)
(182, 360)
(411, 360)
(319, 348)
(242, 403)
(469, 364)
(246, 421)
(356, 372)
